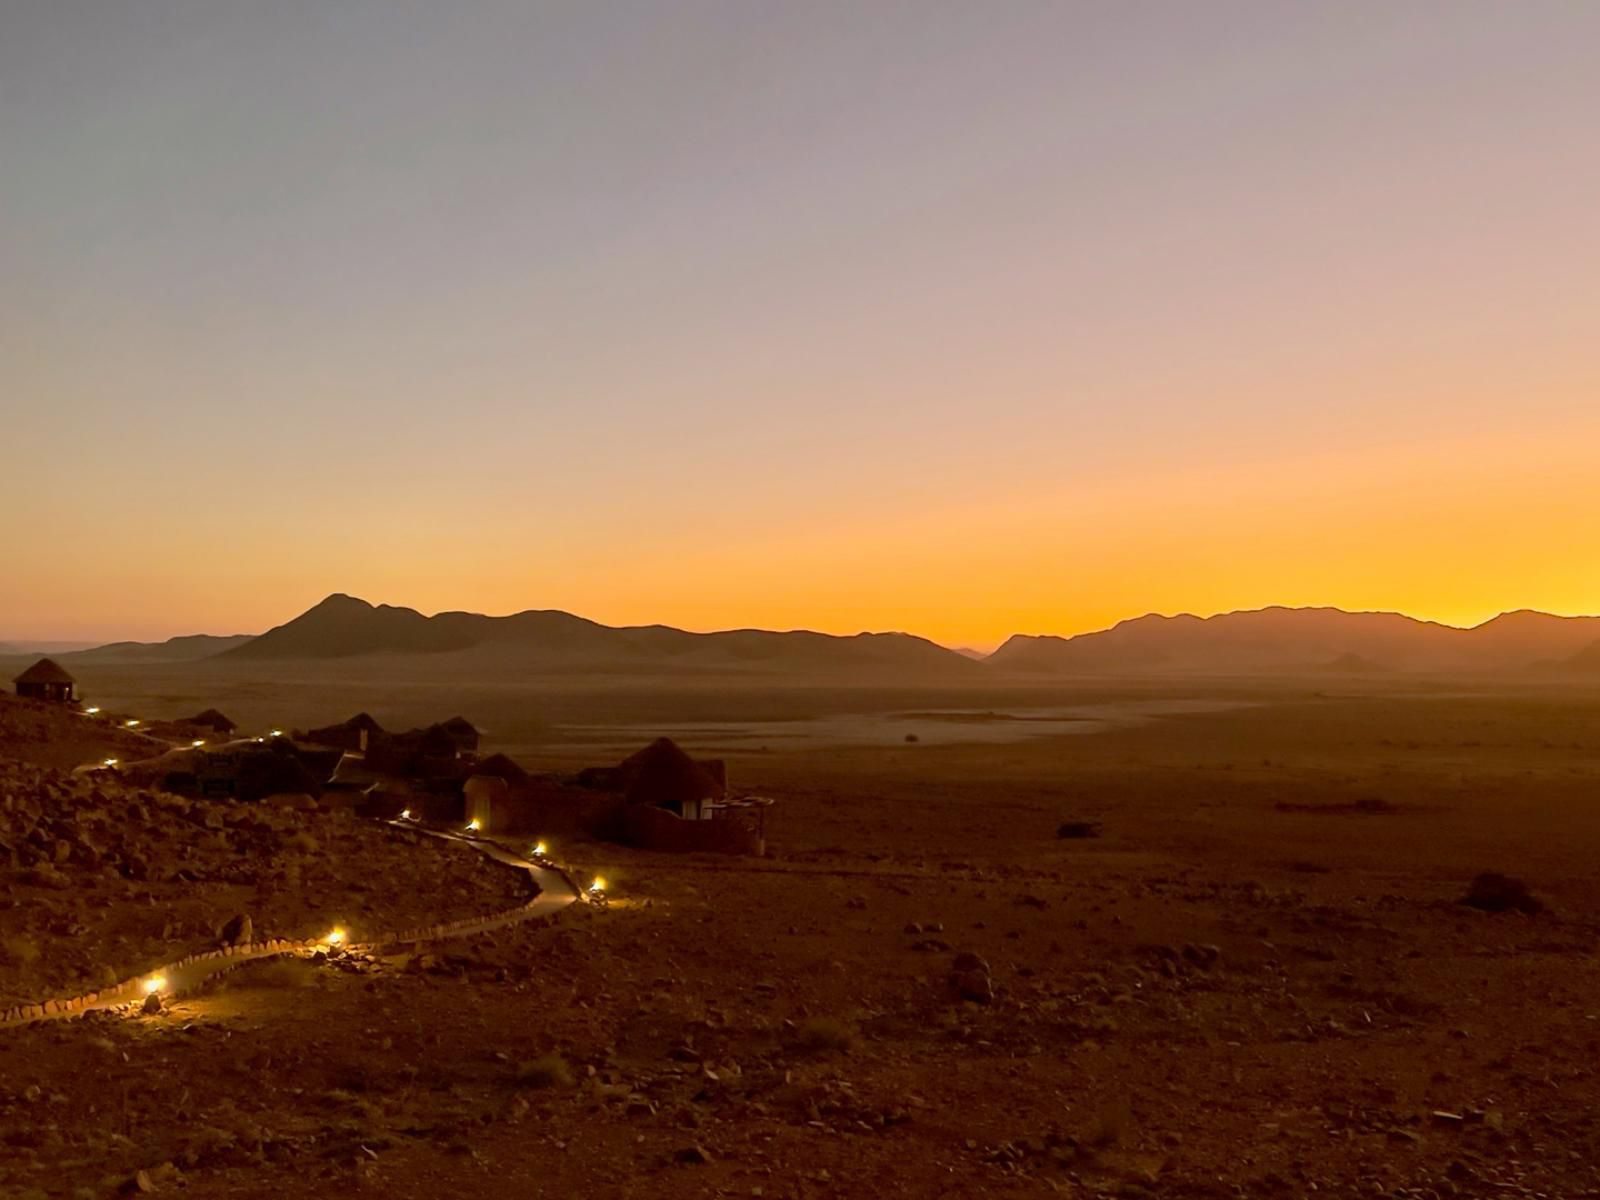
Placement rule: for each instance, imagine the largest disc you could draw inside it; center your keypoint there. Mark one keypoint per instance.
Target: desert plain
(1245, 970)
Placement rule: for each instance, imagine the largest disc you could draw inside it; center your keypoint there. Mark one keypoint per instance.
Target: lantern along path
(555, 892)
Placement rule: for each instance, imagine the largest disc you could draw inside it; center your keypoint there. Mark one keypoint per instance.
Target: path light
(540, 850)
(110, 762)
(156, 983)
(277, 733)
(474, 825)
(92, 709)
(131, 722)
(599, 884)
(405, 814)
(335, 937)
(198, 742)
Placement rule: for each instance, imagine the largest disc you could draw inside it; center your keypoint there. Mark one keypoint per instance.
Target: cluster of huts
(659, 797)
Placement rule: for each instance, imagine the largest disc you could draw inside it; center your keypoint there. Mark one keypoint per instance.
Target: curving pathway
(555, 892)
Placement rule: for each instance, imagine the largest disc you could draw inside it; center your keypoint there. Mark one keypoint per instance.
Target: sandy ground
(1256, 981)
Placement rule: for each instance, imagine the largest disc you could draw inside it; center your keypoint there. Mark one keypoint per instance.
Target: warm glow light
(599, 885)
(540, 850)
(92, 709)
(405, 814)
(277, 733)
(474, 825)
(335, 937)
(155, 984)
(198, 742)
(131, 722)
(110, 762)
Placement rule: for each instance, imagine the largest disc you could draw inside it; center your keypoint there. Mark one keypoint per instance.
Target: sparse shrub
(912, 738)
(819, 1035)
(18, 951)
(1495, 893)
(547, 1071)
(1078, 829)
(1113, 1122)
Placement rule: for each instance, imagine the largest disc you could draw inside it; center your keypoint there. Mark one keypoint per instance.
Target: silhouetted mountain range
(1309, 641)
(343, 626)
(179, 649)
(1306, 639)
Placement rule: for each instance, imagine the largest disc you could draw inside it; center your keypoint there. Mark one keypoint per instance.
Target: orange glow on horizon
(1031, 322)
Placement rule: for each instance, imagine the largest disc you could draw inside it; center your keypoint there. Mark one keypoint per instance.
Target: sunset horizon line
(20, 642)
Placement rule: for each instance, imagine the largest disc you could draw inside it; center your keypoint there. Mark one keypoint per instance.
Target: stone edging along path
(556, 891)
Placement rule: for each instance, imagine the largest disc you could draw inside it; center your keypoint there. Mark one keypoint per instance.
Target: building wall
(486, 803)
(651, 828)
(55, 693)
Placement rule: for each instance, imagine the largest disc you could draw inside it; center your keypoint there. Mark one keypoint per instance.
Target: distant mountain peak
(343, 626)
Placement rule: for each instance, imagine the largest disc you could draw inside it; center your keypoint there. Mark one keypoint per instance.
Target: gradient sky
(966, 319)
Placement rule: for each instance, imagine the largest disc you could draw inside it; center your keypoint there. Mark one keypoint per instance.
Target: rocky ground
(1248, 980)
(101, 881)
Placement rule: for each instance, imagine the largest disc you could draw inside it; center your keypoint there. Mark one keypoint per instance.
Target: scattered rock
(970, 978)
(1496, 893)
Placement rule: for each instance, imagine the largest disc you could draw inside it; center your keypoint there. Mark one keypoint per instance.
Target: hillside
(1302, 639)
(178, 649)
(1585, 661)
(345, 627)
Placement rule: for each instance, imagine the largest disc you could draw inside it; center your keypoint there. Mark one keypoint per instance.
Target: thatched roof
(212, 719)
(459, 725)
(46, 670)
(663, 775)
(434, 740)
(362, 721)
(499, 766)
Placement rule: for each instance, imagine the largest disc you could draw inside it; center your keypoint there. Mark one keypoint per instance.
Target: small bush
(547, 1071)
(1078, 829)
(18, 951)
(1113, 1122)
(821, 1034)
(1496, 893)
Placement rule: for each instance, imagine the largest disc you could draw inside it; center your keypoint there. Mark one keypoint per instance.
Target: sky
(962, 319)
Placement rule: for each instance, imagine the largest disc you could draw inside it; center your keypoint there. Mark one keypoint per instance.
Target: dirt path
(555, 892)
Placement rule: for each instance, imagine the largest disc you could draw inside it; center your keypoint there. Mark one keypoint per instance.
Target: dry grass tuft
(820, 1035)
(547, 1071)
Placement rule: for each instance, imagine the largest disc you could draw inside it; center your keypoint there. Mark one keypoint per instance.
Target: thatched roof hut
(213, 720)
(463, 732)
(47, 680)
(663, 776)
(498, 766)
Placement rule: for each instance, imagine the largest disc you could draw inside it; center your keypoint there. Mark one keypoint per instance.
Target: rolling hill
(179, 649)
